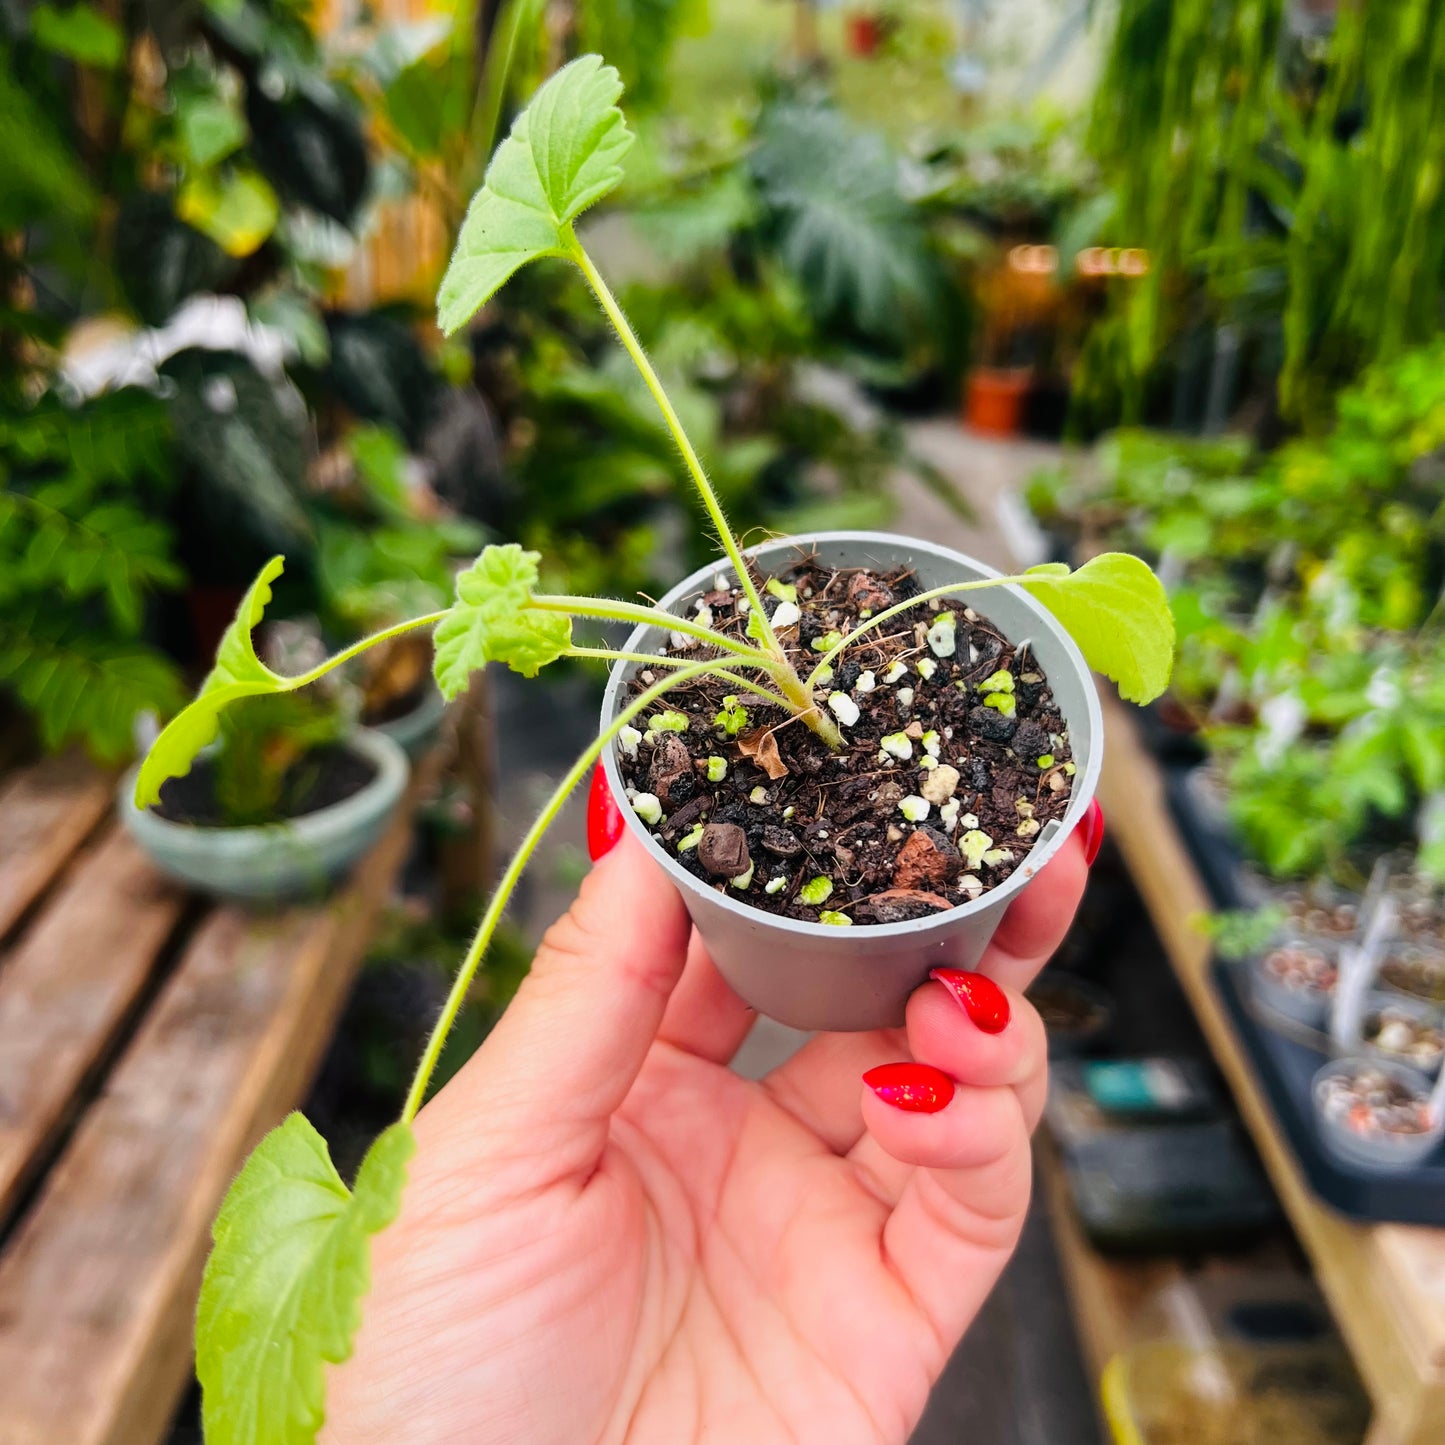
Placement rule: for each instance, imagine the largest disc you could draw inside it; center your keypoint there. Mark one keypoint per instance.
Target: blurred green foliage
(1282, 164)
(1307, 586)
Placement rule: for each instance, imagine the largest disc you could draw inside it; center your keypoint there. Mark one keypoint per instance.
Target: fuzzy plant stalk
(282, 1292)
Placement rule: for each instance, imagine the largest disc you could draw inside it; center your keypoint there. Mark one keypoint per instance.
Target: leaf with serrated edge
(564, 153)
(281, 1297)
(238, 673)
(1117, 611)
(492, 621)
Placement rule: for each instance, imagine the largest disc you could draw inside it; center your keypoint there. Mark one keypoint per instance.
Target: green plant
(283, 1288)
(81, 553)
(1286, 184)
(263, 768)
(228, 145)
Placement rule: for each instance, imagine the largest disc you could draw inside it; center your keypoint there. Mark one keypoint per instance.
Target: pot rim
(890, 545)
(392, 771)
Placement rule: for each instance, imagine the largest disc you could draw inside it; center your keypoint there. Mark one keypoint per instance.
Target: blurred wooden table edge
(1385, 1282)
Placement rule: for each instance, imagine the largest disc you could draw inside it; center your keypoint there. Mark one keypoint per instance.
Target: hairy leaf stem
(690, 458)
(613, 610)
(493, 916)
(606, 654)
(889, 613)
(357, 648)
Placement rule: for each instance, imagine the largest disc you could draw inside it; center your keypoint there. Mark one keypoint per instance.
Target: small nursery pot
(1308, 1006)
(813, 975)
(1415, 1009)
(273, 862)
(1381, 1152)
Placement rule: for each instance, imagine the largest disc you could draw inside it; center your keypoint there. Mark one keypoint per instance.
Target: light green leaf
(564, 153)
(79, 32)
(238, 212)
(1116, 609)
(238, 673)
(492, 621)
(210, 129)
(282, 1292)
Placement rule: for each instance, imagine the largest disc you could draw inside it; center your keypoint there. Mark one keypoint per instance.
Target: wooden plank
(98, 1286)
(1385, 1283)
(46, 811)
(67, 991)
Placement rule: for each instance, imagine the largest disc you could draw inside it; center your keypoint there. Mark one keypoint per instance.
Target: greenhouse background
(1033, 281)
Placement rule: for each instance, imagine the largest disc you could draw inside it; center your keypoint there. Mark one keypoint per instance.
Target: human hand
(608, 1236)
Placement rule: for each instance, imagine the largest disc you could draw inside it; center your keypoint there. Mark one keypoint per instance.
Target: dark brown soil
(326, 775)
(392, 708)
(836, 815)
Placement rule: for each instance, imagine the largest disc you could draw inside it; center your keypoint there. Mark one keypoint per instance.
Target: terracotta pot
(865, 34)
(993, 399)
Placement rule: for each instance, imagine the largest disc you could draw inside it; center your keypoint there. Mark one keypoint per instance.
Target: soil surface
(937, 795)
(399, 706)
(324, 776)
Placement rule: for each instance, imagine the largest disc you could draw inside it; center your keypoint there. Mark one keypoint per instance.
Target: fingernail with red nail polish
(982, 999)
(604, 819)
(1091, 830)
(914, 1088)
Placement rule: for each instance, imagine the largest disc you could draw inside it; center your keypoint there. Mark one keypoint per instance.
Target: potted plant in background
(746, 644)
(286, 801)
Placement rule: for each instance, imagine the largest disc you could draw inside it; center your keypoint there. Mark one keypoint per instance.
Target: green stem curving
(897, 610)
(606, 654)
(633, 346)
(615, 611)
(493, 916)
(357, 648)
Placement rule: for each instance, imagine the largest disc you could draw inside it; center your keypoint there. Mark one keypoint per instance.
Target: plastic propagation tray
(1284, 1069)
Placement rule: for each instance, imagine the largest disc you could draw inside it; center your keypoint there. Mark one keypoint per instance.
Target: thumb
(562, 1058)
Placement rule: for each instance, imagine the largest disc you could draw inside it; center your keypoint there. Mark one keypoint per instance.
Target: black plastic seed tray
(1283, 1067)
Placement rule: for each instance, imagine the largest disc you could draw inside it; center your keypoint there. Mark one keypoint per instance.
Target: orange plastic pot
(993, 400)
(865, 35)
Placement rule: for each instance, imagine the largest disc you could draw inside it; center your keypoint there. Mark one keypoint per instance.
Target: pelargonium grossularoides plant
(283, 1288)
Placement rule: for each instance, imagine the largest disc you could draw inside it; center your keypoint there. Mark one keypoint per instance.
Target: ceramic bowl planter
(271, 863)
(814, 976)
(418, 728)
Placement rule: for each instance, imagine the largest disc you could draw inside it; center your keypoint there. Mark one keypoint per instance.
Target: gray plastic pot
(271, 863)
(812, 975)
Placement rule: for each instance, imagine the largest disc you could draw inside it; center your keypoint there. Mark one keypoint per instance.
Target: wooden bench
(147, 1040)
(1385, 1282)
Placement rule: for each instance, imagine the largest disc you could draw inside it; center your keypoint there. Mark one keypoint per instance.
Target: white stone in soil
(627, 739)
(897, 745)
(943, 636)
(787, 614)
(843, 708)
(648, 808)
(914, 808)
(940, 786)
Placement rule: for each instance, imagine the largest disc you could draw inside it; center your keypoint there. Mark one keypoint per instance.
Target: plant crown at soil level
(289, 1268)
